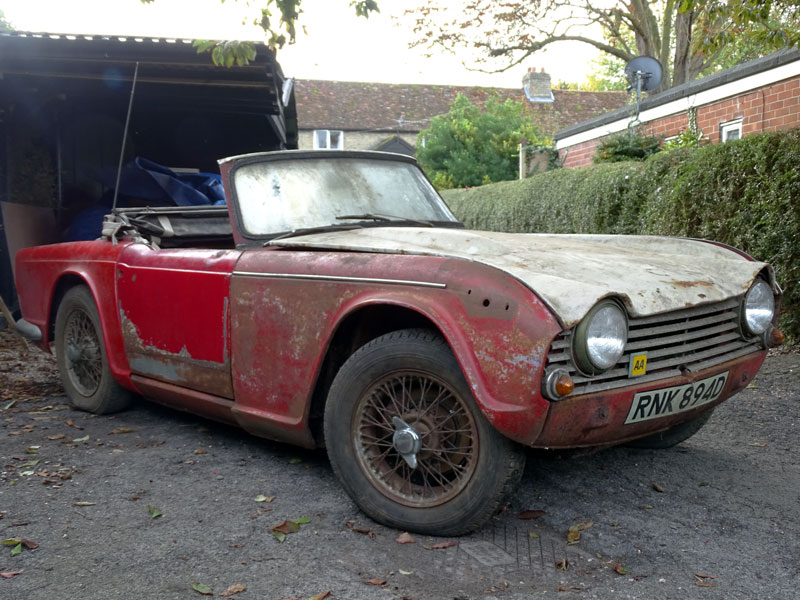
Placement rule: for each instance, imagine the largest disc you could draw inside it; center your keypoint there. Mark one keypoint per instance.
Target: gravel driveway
(146, 503)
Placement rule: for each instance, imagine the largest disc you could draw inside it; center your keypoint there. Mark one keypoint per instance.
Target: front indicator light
(774, 338)
(558, 384)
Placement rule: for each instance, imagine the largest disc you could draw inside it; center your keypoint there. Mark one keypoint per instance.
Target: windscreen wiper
(386, 218)
(310, 230)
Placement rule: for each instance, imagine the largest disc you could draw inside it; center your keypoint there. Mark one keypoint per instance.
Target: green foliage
(280, 31)
(626, 146)
(469, 146)
(686, 139)
(744, 193)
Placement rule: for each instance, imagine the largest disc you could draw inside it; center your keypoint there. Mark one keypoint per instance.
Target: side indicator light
(775, 338)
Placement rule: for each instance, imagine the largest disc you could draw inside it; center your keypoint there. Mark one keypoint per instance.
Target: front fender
(287, 306)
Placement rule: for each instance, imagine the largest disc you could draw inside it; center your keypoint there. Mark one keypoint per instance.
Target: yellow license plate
(638, 364)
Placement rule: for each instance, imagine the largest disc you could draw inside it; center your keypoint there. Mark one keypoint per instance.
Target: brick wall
(770, 108)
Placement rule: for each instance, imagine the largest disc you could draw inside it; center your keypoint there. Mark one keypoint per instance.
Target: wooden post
(523, 159)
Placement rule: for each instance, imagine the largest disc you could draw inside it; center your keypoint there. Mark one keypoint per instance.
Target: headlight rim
(580, 350)
(745, 327)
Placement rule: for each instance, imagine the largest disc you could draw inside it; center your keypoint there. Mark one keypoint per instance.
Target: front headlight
(600, 338)
(759, 308)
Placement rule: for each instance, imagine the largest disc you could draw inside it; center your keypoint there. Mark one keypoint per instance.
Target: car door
(174, 310)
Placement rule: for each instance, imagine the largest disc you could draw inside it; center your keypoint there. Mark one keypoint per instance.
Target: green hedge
(744, 193)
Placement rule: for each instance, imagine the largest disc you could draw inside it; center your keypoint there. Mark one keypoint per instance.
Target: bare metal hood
(572, 272)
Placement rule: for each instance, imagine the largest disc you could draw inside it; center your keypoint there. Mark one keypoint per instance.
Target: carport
(63, 107)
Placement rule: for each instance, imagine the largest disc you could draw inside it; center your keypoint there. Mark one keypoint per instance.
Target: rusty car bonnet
(572, 272)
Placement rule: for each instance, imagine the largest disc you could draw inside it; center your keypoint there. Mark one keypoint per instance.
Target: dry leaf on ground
(234, 589)
(405, 538)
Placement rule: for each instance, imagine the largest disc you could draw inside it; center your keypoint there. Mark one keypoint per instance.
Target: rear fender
(45, 273)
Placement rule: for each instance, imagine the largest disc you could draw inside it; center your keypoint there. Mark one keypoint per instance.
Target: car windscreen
(283, 195)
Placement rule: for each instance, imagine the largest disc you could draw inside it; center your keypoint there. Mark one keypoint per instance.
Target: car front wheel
(81, 356)
(408, 442)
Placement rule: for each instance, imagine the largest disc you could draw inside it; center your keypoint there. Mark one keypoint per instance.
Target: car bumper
(600, 419)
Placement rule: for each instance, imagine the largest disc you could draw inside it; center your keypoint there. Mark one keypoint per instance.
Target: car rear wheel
(674, 435)
(81, 356)
(408, 442)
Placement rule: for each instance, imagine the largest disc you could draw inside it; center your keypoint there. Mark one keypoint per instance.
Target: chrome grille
(693, 338)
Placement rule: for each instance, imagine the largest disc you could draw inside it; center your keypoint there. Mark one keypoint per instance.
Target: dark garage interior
(64, 102)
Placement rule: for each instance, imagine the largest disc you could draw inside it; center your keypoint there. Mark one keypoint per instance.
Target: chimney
(537, 86)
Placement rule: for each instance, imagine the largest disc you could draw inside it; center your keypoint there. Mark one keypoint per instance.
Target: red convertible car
(335, 301)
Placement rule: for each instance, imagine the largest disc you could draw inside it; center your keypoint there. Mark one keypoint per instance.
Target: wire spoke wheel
(448, 454)
(83, 356)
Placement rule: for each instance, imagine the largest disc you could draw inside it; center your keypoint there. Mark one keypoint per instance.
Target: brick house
(756, 96)
(361, 116)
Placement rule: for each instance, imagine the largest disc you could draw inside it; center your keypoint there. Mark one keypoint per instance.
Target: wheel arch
(109, 320)
(356, 329)
(63, 284)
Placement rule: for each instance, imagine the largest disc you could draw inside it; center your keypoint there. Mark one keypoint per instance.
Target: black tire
(465, 468)
(674, 435)
(81, 356)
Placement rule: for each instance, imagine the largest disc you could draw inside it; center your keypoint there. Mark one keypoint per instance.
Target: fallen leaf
(10, 574)
(704, 576)
(81, 439)
(10, 405)
(202, 588)
(29, 544)
(646, 507)
(367, 532)
(441, 545)
(281, 530)
(526, 515)
(573, 537)
(707, 584)
(154, 512)
(122, 430)
(562, 565)
(16, 550)
(84, 504)
(569, 588)
(376, 581)
(402, 572)
(296, 461)
(32, 450)
(533, 535)
(658, 488)
(263, 498)
(201, 451)
(621, 569)
(58, 436)
(758, 444)
(71, 423)
(320, 596)
(234, 589)
(581, 526)
(405, 538)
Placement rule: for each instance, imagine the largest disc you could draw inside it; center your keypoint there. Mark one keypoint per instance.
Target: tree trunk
(681, 71)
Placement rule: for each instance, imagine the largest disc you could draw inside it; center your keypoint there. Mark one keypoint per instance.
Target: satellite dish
(644, 70)
(644, 75)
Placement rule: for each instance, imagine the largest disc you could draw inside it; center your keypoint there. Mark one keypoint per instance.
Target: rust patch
(689, 284)
(177, 368)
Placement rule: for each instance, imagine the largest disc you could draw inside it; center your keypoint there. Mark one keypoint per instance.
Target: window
(327, 139)
(731, 130)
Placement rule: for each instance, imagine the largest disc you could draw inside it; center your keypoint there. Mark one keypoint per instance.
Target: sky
(336, 45)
